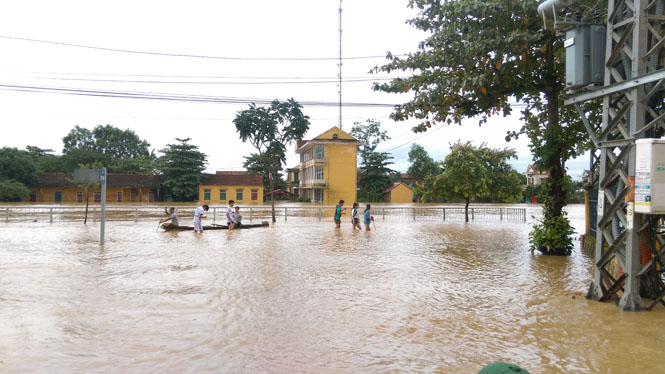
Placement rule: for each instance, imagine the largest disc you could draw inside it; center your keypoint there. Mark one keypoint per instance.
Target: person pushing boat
(171, 216)
(198, 215)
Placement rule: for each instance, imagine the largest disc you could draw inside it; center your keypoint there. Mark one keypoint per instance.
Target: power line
(171, 97)
(413, 140)
(187, 55)
(212, 83)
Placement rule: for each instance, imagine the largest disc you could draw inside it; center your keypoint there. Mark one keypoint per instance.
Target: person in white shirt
(198, 215)
(229, 214)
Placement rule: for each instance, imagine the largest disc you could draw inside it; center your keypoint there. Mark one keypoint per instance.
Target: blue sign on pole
(102, 175)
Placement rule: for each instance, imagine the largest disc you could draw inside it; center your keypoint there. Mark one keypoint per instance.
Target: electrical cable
(188, 55)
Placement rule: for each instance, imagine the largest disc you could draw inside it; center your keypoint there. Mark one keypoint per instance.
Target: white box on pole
(650, 176)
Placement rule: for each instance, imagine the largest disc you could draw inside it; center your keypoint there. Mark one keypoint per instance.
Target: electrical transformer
(650, 176)
(585, 56)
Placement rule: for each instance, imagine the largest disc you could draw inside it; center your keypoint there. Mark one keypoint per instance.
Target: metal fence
(256, 213)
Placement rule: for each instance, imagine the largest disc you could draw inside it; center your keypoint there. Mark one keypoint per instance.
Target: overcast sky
(247, 50)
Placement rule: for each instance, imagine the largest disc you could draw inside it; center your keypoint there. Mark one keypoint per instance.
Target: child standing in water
(367, 217)
(355, 221)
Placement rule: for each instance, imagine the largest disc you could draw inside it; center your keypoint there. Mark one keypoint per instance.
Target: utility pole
(632, 95)
(339, 64)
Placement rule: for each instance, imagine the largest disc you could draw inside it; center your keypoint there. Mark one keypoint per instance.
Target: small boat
(217, 227)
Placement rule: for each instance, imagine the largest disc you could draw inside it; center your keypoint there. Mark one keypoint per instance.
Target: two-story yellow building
(223, 186)
(327, 171)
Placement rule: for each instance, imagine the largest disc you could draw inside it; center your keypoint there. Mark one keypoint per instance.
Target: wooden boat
(217, 227)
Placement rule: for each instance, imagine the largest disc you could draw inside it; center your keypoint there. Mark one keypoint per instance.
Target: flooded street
(302, 297)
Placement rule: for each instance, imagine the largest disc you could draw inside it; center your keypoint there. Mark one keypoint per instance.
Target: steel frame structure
(633, 108)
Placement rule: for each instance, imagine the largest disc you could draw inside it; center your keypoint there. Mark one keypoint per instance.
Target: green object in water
(502, 368)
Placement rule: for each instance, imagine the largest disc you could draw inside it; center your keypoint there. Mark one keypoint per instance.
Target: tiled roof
(220, 179)
(393, 186)
(113, 180)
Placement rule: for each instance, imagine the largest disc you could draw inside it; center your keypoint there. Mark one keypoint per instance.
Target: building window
(320, 152)
(318, 173)
(255, 194)
(318, 195)
(132, 196)
(206, 194)
(151, 196)
(57, 197)
(79, 197)
(98, 196)
(119, 197)
(222, 194)
(238, 194)
(33, 196)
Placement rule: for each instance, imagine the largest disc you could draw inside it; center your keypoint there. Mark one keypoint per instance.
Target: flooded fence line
(257, 213)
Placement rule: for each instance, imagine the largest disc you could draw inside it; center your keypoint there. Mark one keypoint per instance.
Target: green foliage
(121, 151)
(471, 173)
(17, 165)
(370, 135)
(552, 236)
(11, 190)
(481, 55)
(255, 165)
(271, 129)
(304, 199)
(422, 165)
(181, 167)
(374, 175)
(45, 161)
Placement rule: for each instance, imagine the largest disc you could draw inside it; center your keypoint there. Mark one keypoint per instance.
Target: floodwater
(302, 297)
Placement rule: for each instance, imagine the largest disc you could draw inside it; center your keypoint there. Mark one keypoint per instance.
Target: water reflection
(302, 297)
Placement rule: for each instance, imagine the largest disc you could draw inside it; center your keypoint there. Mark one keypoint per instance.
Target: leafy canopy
(471, 172)
(271, 129)
(422, 165)
(181, 167)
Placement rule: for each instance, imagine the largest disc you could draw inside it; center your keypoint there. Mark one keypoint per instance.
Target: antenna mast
(340, 65)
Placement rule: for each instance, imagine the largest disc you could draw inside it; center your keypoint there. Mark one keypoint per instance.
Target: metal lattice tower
(633, 108)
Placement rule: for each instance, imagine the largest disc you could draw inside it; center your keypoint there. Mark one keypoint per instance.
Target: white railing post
(285, 213)
(50, 215)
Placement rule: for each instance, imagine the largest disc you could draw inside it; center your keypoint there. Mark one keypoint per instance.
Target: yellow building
(120, 188)
(223, 186)
(398, 192)
(327, 170)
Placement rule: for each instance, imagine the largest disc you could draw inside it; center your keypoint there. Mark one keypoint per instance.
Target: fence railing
(257, 213)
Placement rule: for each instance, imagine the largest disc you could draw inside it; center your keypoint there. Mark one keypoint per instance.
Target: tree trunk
(466, 209)
(272, 196)
(87, 198)
(554, 193)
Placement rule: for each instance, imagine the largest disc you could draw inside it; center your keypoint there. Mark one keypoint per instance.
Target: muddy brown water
(302, 297)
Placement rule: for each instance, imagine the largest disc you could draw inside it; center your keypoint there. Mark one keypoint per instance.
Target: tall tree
(11, 190)
(181, 167)
(374, 173)
(481, 55)
(270, 130)
(422, 165)
(45, 161)
(471, 172)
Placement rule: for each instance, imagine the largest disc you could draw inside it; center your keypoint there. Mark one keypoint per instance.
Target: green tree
(481, 55)
(270, 130)
(121, 151)
(17, 165)
(87, 187)
(45, 161)
(422, 165)
(256, 166)
(370, 135)
(181, 167)
(11, 190)
(471, 172)
(374, 176)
